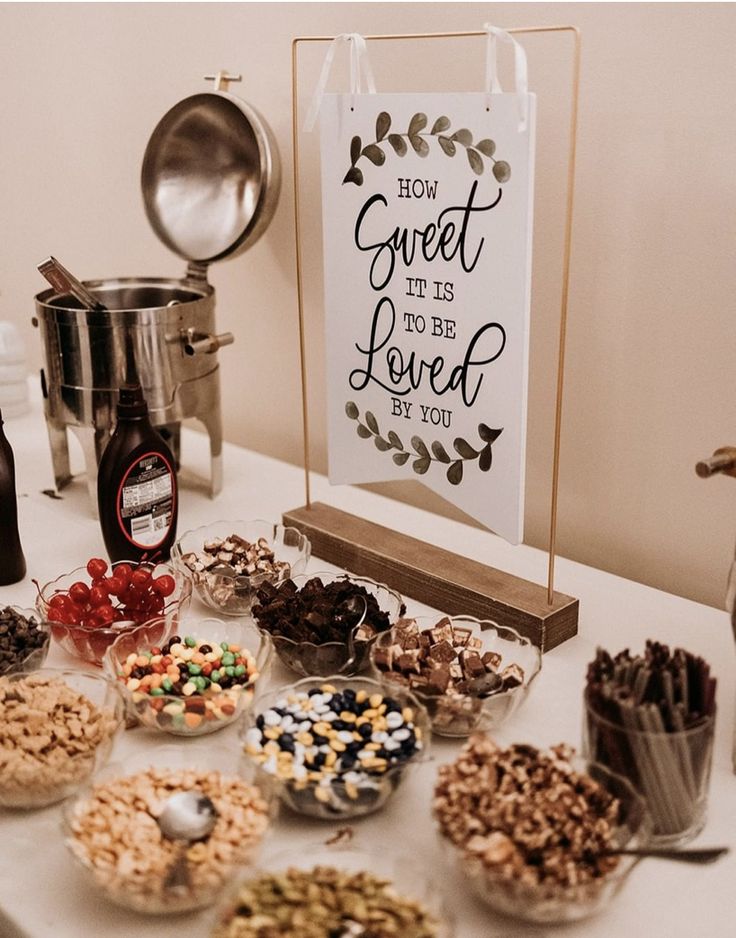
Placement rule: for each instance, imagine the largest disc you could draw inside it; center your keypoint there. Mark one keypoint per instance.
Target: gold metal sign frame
(363, 547)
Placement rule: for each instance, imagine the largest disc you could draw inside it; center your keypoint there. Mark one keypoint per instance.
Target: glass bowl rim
(641, 837)
(265, 649)
(278, 528)
(95, 676)
(500, 630)
(42, 625)
(335, 644)
(121, 768)
(260, 706)
(274, 858)
(124, 625)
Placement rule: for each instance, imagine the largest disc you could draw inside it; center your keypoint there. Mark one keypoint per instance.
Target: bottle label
(145, 501)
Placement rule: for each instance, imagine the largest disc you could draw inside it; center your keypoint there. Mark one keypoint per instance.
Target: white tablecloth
(43, 895)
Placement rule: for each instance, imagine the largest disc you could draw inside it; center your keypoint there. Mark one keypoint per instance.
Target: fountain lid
(210, 176)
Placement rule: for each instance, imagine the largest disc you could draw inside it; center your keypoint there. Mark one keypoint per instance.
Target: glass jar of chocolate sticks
(651, 718)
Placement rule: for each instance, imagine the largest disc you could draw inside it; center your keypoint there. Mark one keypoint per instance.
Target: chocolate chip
(19, 637)
(319, 612)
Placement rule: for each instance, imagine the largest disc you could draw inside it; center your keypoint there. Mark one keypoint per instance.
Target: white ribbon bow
(521, 78)
(360, 68)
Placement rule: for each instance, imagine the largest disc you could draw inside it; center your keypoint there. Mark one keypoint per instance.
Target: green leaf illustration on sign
(375, 154)
(418, 139)
(423, 455)
(383, 122)
(355, 145)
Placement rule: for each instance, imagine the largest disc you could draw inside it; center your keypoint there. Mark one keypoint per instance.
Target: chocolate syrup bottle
(136, 485)
(12, 561)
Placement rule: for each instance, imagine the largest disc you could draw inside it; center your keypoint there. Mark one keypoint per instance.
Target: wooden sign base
(445, 581)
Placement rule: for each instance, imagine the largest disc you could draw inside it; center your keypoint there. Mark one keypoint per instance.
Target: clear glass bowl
(202, 713)
(671, 770)
(407, 879)
(91, 642)
(234, 595)
(346, 658)
(55, 773)
(550, 904)
(340, 799)
(458, 715)
(131, 867)
(36, 658)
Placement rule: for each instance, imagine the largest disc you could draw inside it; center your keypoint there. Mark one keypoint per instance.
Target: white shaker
(13, 372)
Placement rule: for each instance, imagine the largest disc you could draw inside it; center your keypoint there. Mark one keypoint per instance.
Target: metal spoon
(354, 609)
(488, 685)
(187, 816)
(694, 855)
(60, 279)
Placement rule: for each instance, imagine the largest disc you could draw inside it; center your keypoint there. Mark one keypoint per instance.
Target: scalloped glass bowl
(408, 879)
(34, 659)
(234, 595)
(91, 643)
(167, 713)
(38, 786)
(146, 891)
(551, 906)
(458, 715)
(371, 795)
(345, 658)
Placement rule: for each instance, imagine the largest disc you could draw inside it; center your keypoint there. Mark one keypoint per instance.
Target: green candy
(199, 683)
(166, 684)
(157, 692)
(190, 642)
(230, 671)
(215, 677)
(239, 670)
(224, 646)
(228, 658)
(194, 669)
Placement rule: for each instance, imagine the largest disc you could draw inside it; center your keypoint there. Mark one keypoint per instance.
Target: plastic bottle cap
(131, 402)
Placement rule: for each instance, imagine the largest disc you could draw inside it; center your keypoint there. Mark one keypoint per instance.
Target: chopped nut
(527, 816)
(324, 902)
(49, 736)
(115, 835)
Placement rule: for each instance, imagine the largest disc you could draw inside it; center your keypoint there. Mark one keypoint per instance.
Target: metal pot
(210, 181)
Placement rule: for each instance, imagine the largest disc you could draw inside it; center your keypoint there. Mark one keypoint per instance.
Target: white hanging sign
(427, 224)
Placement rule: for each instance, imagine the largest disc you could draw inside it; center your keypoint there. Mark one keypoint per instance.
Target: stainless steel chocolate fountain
(210, 183)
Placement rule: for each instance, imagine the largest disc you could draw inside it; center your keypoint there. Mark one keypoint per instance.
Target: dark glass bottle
(12, 561)
(136, 485)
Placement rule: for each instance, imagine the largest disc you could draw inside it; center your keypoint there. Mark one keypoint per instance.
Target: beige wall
(652, 333)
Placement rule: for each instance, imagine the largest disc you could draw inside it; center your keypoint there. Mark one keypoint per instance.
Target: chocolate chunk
(491, 660)
(512, 676)
(319, 612)
(439, 678)
(442, 651)
(408, 662)
(461, 634)
(444, 661)
(19, 637)
(382, 659)
(365, 632)
(471, 664)
(423, 685)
